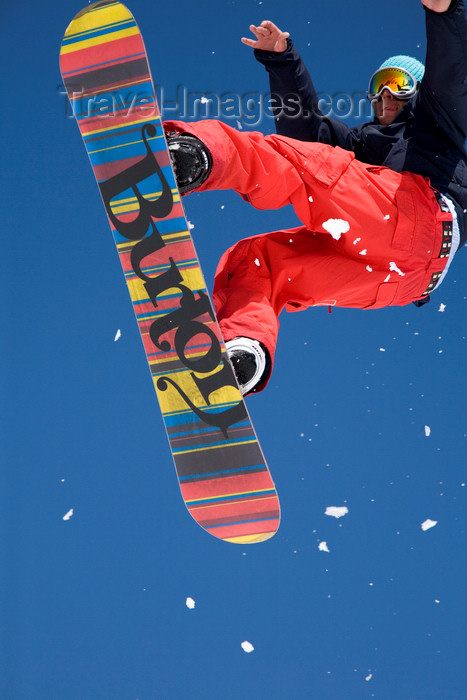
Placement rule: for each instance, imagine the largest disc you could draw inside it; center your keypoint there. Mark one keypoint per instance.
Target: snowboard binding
(191, 159)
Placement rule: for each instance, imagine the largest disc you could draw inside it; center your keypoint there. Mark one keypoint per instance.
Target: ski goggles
(398, 81)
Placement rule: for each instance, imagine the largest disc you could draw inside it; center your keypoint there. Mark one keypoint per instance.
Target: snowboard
(224, 479)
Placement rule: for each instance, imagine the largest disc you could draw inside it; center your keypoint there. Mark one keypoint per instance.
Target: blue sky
(94, 607)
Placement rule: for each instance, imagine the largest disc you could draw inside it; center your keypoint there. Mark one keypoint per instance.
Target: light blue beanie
(408, 63)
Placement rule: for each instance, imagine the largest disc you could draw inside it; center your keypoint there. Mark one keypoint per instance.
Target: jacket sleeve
(295, 103)
(443, 92)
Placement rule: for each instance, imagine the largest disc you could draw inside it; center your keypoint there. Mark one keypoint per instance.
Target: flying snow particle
(323, 547)
(369, 677)
(310, 198)
(427, 430)
(386, 217)
(363, 252)
(190, 603)
(428, 524)
(382, 349)
(357, 240)
(257, 262)
(393, 267)
(247, 647)
(369, 269)
(442, 307)
(336, 227)
(336, 511)
(118, 335)
(68, 515)
(190, 226)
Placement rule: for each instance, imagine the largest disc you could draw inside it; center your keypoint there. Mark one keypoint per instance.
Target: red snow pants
(370, 238)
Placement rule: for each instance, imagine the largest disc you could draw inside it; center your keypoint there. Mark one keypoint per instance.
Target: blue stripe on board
(99, 31)
(113, 136)
(208, 429)
(133, 148)
(194, 477)
(157, 269)
(236, 497)
(226, 443)
(175, 225)
(117, 103)
(240, 522)
(121, 103)
(183, 417)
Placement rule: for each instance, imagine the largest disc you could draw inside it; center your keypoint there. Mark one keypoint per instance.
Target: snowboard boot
(191, 159)
(250, 361)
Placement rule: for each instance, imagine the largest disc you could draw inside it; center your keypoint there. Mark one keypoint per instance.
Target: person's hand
(268, 37)
(437, 5)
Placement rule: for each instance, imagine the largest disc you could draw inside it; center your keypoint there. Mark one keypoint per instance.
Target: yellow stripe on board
(93, 132)
(249, 539)
(102, 17)
(230, 495)
(126, 246)
(191, 278)
(217, 447)
(101, 39)
(122, 145)
(172, 402)
(130, 207)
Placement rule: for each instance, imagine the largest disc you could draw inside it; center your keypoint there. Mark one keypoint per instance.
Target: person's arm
(443, 92)
(294, 100)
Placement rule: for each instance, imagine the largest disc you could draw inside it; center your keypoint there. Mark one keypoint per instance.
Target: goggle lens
(400, 82)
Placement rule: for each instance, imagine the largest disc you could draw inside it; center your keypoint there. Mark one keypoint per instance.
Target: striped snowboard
(223, 477)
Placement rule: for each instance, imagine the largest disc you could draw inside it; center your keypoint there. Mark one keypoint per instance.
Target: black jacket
(428, 135)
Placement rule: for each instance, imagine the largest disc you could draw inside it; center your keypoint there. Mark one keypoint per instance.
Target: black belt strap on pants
(445, 244)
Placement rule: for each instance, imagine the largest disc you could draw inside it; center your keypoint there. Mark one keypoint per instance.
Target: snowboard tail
(224, 479)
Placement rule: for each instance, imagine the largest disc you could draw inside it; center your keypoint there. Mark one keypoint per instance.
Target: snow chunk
(323, 547)
(393, 267)
(363, 252)
(190, 603)
(336, 511)
(118, 335)
(386, 217)
(247, 647)
(357, 240)
(336, 227)
(428, 524)
(68, 515)
(427, 430)
(369, 269)
(310, 198)
(442, 307)
(257, 262)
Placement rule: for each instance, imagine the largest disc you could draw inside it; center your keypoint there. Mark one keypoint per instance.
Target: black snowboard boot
(191, 159)
(251, 363)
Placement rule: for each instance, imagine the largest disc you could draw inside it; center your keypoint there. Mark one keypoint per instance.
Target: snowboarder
(383, 205)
